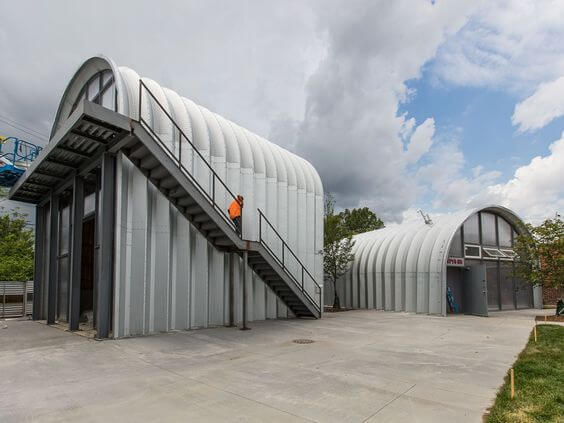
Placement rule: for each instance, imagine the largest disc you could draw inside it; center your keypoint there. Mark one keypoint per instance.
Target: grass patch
(539, 382)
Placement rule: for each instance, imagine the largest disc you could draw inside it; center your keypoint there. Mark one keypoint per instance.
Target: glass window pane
(488, 229)
(108, 98)
(471, 230)
(504, 229)
(456, 245)
(89, 203)
(514, 237)
(93, 88)
(472, 251)
(106, 77)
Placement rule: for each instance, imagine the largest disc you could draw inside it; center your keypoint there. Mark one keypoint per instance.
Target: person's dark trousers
(237, 221)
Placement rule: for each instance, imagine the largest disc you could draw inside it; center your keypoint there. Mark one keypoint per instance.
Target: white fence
(16, 298)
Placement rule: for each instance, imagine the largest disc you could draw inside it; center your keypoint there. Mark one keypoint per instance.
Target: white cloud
(536, 190)
(513, 44)
(545, 105)
(420, 141)
(351, 130)
(452, 189)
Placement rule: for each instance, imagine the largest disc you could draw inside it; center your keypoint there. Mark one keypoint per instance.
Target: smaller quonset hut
(459, 263)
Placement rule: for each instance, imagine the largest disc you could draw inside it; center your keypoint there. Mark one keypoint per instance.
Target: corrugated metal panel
(403, 268)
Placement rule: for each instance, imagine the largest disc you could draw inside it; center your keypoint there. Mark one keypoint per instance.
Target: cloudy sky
(400, 105)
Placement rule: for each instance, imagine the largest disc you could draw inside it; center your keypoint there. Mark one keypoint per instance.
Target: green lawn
(539, 382)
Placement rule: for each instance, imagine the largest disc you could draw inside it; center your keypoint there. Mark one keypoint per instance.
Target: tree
(540, 256)
(361, 220)
(16, 248)
(337, 246)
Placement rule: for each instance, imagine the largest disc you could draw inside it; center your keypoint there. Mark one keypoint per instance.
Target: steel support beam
(38, 263)
(106, 224)
(53, 264)
(232, 257)
(76, 251)
(244, 299)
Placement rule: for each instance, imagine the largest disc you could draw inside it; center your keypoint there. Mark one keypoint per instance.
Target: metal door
(476, 291)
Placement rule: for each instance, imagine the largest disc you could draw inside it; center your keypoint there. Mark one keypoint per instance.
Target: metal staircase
(160, 159)
(177, 168)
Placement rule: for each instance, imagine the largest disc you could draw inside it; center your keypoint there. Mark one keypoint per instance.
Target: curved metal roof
(403, 267)
(210, 132)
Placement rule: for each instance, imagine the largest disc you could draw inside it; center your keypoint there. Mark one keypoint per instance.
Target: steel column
(244, 299)
(231, 289)
(76, 251)
(106, 224)
(53, 253)
(38, 262)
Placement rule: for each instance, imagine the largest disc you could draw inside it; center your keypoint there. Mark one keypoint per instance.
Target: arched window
(99, 89)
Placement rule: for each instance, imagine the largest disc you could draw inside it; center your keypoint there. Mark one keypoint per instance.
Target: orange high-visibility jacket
(234, 209)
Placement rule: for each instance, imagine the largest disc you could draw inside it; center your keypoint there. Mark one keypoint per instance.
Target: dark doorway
(87, 275)
(455, 290)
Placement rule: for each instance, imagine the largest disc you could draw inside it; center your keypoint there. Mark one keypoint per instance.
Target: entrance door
(475, 291)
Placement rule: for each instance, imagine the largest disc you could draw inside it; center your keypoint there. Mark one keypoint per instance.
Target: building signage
(455, 261)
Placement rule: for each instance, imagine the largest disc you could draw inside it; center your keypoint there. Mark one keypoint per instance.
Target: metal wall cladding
(403, 267)
(166, 275)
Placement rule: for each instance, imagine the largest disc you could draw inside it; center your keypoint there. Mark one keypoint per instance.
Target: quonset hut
(459, 263)
(132, 194)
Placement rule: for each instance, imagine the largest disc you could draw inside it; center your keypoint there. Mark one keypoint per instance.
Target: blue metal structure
(15, 157)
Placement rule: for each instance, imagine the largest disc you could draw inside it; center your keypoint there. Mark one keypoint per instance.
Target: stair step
(207, 226)
(222, 241)
(158, 172)
(186, 201)
(203, 217)
(168, 182)
(138, 151)
(178, 192)
(216, 233)
(194, 209)
(149, 162)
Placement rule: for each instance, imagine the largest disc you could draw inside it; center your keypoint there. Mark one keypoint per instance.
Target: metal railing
(286, 254)
(173, 146)
(198, 161)
(15, 298)
(18, 151)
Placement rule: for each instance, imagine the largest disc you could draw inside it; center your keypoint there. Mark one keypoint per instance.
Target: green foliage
(337, 246)
(361, 220)
(540, 257)
(539, 375)
(16, 248)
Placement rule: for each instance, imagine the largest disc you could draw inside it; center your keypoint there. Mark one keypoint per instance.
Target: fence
(16, 298)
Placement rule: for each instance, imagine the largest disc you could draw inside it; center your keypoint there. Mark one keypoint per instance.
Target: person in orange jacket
(235, 209)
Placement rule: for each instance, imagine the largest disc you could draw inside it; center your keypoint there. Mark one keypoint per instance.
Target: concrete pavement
(363, 365)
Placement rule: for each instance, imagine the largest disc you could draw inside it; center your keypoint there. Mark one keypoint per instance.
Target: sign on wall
(455, 261)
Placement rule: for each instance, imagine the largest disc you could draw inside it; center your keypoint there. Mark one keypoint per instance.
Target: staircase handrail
(211, 198)
(281, 260)
(178, 159)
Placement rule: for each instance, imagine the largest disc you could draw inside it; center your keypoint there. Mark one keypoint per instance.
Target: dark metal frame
(178, 159)
(281, 260)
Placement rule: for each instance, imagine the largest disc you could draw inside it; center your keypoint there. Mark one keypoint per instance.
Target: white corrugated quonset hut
(409, 267)
(166, 275)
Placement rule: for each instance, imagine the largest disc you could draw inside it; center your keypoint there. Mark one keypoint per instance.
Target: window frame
(479, 257)
(103, 87)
